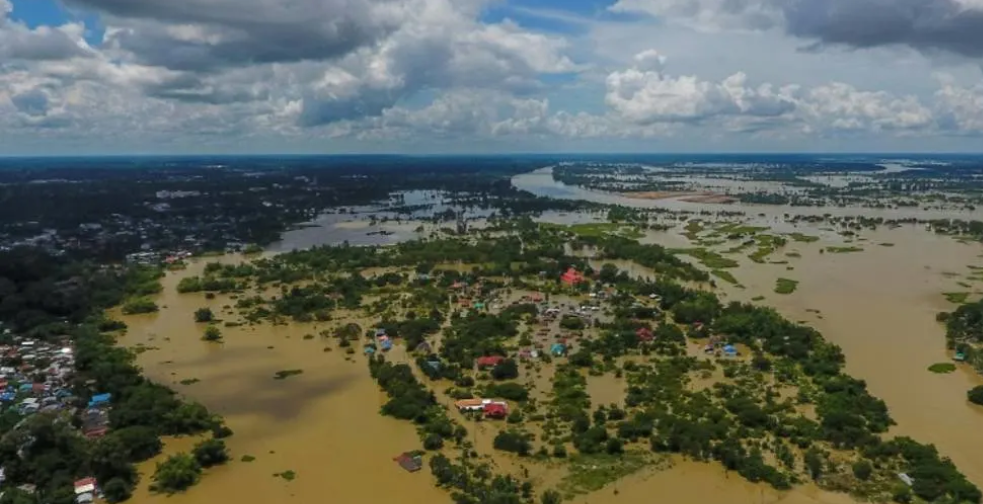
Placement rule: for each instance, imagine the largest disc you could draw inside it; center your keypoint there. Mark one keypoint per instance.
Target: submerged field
(322, 424)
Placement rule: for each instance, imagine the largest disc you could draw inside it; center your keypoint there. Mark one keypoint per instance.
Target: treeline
(41, 294)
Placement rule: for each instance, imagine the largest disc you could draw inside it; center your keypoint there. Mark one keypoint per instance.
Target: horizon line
(488, 155)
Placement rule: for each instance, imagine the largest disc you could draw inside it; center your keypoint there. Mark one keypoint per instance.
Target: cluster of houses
(34, 378)
(34, 375)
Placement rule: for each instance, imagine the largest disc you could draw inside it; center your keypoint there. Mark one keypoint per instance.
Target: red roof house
(490, 361)
(496, 410)
(572, 277)
(644, 334)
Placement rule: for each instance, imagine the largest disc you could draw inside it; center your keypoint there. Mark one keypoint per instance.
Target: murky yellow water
(323, 424)
(879, 305)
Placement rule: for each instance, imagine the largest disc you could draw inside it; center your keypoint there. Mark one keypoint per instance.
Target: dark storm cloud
(927, 25)
(202, 35)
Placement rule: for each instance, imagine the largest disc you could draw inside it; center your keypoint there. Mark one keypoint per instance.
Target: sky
(489, 76)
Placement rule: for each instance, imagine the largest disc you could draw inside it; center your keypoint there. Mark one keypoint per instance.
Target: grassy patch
(598, 229)
(956, 297)
(942, 367)
(794, 255)
(591, 473)
(803, 238)
(843, 250)
(189, 381)
(766, 246)
(886, 244)
(725, 276)
(247, 458)
(287, 373)
(758, 298)
(287, 475)
(708, 258)
(785, 286)
(693, 229)
(964, 285)
(736, 228)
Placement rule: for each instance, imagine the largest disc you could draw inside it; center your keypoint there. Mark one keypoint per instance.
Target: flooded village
(877, 301)
(700, 350)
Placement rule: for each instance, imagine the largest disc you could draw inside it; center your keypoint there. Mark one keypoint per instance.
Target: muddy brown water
(879, 305)
(323, 424)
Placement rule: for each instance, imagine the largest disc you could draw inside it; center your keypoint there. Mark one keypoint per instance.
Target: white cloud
(202, 72)
(644, 94)
(844, 107)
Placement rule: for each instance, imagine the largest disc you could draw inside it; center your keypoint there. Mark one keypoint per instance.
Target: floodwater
(690, 482)
(540, 182)
(880, 305)
(323, 424)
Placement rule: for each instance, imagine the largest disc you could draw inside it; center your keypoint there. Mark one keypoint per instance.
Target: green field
(785, 286)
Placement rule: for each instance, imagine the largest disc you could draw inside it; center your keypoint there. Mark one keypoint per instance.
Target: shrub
(211, 452)
(975, 395)
(212, 334)
(139, 305)
(204, 315)
(178, 473)
(862, 469)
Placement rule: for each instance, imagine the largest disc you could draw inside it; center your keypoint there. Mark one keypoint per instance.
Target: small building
(424, 347)
(99, 400)
(572, 277)
(496, 410)
(730, 351)
(411, 462)
(558, 349)
(85, 490)
(644, 334)
(475, 404)
(489, 361)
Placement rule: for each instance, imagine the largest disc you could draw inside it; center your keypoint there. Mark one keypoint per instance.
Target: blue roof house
(100, 400)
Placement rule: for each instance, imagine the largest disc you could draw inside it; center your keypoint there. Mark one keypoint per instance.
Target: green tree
(505, 370)
(862, 469)
(813, 459)
(551, 497)
(212, 334)
(117, 490)
(211, 452)
(204, 315)
(975, 395)
(178, 473)
(17, 496)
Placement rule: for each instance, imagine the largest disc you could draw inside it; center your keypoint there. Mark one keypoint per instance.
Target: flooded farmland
(878, 304)
(323, 424)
